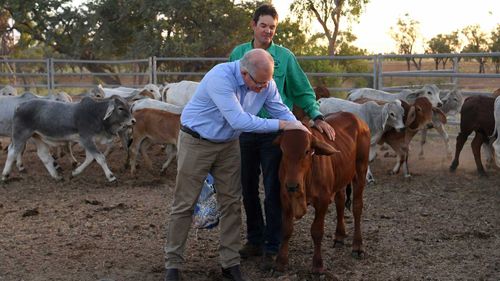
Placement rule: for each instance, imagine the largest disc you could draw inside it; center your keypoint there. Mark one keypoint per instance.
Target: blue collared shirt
(223, 107)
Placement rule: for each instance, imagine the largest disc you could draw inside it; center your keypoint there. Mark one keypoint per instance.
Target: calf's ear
(322, 148)
(277, 140)
(109, 110)
(439, 114)
(410, 116)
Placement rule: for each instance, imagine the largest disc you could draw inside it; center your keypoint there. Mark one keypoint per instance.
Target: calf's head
(430, 91)
(452, 102)
(392, 115)
(118, 115)
(419, 114)
(298, 149)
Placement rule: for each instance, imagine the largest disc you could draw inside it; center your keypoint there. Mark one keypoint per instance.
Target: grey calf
(51, 123)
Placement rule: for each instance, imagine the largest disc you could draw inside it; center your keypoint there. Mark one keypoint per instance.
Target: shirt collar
(271, 49)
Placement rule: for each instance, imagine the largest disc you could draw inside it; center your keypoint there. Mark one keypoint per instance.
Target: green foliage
(405, 34)
(328, 14)
(290, 35)
(477, 40)
(443, 43)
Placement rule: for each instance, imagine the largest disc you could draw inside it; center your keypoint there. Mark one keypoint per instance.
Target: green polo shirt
(292, 82)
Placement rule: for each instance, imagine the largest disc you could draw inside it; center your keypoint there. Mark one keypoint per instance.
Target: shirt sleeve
(223, 95)
(275, 106)
(300, 89)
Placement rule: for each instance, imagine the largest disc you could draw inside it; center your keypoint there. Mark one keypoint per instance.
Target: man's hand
(293, 125)
(324, 127)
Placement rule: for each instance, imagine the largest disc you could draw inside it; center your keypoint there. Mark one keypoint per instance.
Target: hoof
(318, 270)
(360, 254)
(338, 243)
(276, 273)
(112, 178)
(58, 178)
(483, 175)
(5, 178)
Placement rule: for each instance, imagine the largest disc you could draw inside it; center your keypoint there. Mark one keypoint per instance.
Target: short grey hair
(250, 63)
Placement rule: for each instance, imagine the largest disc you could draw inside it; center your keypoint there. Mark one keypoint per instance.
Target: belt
(193, 133)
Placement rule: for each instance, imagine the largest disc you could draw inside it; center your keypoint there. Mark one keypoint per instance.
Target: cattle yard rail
(390, 72)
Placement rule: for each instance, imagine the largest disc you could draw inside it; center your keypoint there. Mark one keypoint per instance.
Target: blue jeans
(259, 154)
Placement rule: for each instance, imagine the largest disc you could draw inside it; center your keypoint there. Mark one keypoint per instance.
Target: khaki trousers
(195, 159)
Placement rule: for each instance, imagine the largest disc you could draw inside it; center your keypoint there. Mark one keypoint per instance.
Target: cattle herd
(367, 120)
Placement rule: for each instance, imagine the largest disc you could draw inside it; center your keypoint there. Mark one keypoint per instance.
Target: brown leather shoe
(172, 274)
(233, 273)
(251, 250)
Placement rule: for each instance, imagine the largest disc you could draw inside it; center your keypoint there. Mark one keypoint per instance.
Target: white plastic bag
(206, 215)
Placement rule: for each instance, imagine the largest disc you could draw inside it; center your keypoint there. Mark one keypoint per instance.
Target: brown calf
(315, 170)
(153, 126)
(321, 92)
(416, 117)
(496, 93)
(476, 116)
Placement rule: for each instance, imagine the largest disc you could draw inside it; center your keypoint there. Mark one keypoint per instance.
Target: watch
(319, 117)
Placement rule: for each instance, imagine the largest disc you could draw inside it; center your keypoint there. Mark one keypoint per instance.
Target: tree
(495, 46)
(477, 43)
(290, 35)
(116, 29)
(329, 14)
(443, 43)
(406, 34)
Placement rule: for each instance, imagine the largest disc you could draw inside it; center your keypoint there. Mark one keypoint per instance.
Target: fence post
(49, 68)
(454, 80)
(375, 65)
(152, 64)
(380, 68)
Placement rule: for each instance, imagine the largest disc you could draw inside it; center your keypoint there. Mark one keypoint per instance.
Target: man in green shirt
(258, 154)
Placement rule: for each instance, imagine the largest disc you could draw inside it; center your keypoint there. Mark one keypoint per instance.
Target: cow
(476, 116)
(8, 104)
(51, 123)
(452, 103)
(155, 104)
(315, 170)
(129, 94)
(416, 117)
(96, 92)
(379, 118)
(179, 93)
(8, 90)
(496, 143)
(153, 126)
(320, 92)
(496, 93)
(429, 91)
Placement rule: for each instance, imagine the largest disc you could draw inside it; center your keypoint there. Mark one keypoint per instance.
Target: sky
(435, 17)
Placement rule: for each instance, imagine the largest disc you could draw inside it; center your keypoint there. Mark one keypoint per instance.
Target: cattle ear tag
(110, 109)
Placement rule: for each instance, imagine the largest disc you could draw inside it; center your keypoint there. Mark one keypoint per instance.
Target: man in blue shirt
(224, 105)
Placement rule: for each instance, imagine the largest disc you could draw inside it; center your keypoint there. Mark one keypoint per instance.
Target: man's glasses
(259, 85)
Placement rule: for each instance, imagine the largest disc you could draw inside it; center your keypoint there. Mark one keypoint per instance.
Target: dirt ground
(436, 226)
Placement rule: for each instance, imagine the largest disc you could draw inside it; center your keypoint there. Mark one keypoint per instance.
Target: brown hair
(265, 10)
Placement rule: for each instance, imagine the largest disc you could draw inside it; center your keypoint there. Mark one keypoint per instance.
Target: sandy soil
(436, 226)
